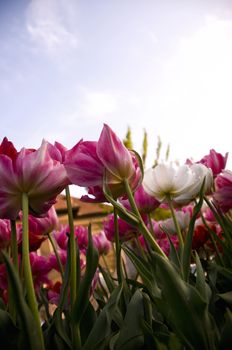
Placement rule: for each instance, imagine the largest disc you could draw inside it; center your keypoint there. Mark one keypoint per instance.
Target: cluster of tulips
(171, 232)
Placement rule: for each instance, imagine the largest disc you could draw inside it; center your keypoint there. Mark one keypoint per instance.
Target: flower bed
(170, 233)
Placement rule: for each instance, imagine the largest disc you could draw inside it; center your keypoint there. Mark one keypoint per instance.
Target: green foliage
(128, 140)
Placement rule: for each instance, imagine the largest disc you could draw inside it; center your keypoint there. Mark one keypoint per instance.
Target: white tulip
(201, 172)
(165, 181)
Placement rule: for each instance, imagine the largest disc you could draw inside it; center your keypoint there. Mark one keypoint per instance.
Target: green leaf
(131, 333)
(139, 159)
(9, 333)
(83, 294)
(59, 325)
(201, 285)
(101, 332)
(227, 297)
(53, 340)
(186, 310)
(108, 280)
(226, 335)
(189, 237)
(173, 256)
(87, 322)
(25, 317)
(122, 212)
(144, 269)
(225, 272)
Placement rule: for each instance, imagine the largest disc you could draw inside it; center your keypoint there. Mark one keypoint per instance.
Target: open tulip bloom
(156, 275)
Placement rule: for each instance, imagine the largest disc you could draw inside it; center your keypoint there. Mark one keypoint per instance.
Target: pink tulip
(95, 195)
(101, 243)
(38, 228)
(32, 172)
(54, 293)
(81, 235)
(53, 263)
(40, 268)
(56, 152)
(5, 234)
(7, 148)
(163, 242)
(88, 162)
(126, 231)
(215, 161)
(223, 194)
(61, 237)
(83, 165)
(145, 203)
(118, 161)
(3, 277)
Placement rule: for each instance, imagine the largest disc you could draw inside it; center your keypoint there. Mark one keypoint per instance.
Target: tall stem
(117, 247)
(73, 272)
(75, 330)
(32, 302)
(57, 256)
(146, 233)
(14, 245)
(177, 226)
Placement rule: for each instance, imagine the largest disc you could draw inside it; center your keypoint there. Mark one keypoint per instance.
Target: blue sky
(68, 66)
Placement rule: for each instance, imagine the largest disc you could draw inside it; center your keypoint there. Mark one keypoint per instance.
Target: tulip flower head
(144, 202)
(33, 172)
(179, 183)
(201, 172)
(166, 181)
(88, 162)
(215, 161)
(126, 231)
(223, 194)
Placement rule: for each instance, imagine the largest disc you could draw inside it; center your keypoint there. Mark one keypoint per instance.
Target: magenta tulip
(33, 172)
(5, 233)
(126, 231)
(215, 161)
(101, 243)
(223, 194)
(145, 203)
(88, 162)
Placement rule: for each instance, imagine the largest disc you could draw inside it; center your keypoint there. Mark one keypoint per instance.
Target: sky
(69, 66)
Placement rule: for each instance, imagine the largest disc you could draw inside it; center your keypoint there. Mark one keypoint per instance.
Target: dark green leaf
(201, 285)
(26, 320)
(227, 297)
(226, 335)
(145, 271)
(189, 237)
(186, 310)
(131, 333)
(82, 300)
(9, 333)
(101, 332)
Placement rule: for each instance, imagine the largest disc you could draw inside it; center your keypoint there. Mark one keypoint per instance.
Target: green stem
(76, 339)
(213, 240)
(14, 245)
(176, 223)
(73, 271)
(57, 256)
(144, 230)
(106, 265)
(32, 302)
(219, 219)
(117, 247)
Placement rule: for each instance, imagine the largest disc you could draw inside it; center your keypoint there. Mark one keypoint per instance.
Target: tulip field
(169, 233)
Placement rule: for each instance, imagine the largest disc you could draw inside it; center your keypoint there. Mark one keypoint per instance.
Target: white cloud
(51, 25)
